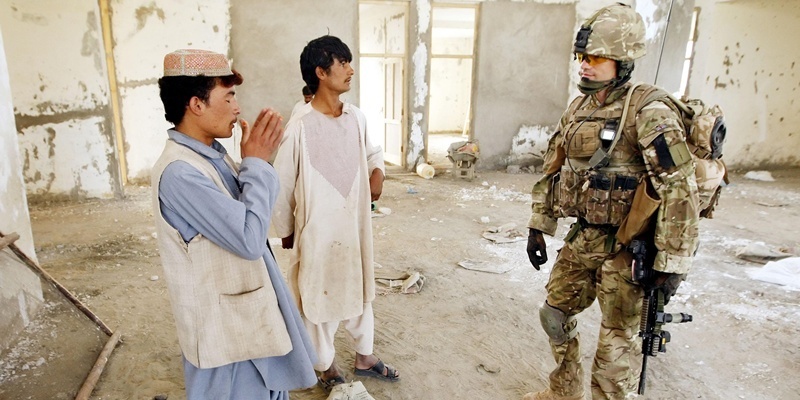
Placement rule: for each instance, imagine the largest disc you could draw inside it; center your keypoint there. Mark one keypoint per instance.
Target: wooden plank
(36, 268)
(94, 375)
(8, 240)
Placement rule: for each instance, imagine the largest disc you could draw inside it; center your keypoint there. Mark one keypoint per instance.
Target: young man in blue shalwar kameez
(239, 330)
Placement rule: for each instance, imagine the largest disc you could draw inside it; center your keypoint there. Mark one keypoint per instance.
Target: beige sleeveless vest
(224, 306)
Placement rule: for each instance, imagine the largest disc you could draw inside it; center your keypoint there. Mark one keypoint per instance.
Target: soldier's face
(597, 69)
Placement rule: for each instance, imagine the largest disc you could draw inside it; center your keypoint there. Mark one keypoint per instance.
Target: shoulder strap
(641, 95)
(627, 115)
(576, 104)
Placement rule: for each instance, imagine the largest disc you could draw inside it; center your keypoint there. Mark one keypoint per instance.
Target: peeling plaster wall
(419, 68)
(742, 63)
(267, 37)
(20, 288)
(58, 80)
(522, 72)
(143, 32)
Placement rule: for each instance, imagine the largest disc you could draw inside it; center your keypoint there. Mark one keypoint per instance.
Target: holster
(644, 205)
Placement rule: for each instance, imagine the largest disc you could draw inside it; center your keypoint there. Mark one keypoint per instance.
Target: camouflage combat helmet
(615, 32)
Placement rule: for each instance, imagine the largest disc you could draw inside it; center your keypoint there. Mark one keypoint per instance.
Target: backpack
(705, 134)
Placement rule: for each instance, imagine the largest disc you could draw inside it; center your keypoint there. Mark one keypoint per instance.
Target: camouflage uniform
(593, 264)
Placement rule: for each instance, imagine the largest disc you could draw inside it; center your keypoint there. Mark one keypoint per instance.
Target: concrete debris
(392, 281)
(485, 266)
(350, 391)
(761, 253)
(506, 233)
(765, 176)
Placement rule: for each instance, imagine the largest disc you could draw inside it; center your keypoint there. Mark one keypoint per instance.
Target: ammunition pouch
(599, 197)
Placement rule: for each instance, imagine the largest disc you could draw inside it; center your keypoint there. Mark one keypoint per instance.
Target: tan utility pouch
(643, 207)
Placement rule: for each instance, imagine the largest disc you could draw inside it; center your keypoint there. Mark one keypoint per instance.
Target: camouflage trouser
(590, 266)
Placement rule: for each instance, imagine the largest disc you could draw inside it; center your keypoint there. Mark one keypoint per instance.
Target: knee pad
(558, 326)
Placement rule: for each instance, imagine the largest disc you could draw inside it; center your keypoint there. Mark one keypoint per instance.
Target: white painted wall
(453, 33)
(58, 83)
(144, 31)
(450, 94)
(745, 62)
(13, 200)
(20, 288)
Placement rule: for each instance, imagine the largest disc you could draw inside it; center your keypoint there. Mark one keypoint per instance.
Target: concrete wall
(521, 80)
(60, 89)
(143, 32)
(267, 37)
(742, 63)
(20, 288)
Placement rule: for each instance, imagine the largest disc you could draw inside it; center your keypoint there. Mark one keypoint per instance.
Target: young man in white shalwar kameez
(329, 173)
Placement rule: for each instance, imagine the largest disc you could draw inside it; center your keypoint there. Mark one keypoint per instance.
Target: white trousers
(360, 328)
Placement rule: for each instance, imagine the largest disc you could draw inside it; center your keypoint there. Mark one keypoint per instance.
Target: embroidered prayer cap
(192, 62)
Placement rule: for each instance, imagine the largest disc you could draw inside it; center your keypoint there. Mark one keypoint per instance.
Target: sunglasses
(590, 59)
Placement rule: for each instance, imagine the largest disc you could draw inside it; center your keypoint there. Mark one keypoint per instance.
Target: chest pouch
(598, 196)
(584, 140)
(608, 138)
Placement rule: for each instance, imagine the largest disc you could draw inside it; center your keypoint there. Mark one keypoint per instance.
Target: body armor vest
(600, 195)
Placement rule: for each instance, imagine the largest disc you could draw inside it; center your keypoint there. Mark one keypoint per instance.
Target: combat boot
(548, 394)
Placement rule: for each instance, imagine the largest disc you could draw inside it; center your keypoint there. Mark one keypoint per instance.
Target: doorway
(452, 56)
(382, 40)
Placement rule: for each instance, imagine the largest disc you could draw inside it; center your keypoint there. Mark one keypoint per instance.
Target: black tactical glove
(668, 283)
(537, 248)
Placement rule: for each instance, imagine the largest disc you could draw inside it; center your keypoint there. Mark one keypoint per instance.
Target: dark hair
(321, 52)
(177, 91)
(306, 91)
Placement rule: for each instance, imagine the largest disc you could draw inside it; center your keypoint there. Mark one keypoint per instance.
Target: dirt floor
(467, 334)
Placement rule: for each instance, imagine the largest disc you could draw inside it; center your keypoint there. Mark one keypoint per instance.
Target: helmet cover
(616, 32)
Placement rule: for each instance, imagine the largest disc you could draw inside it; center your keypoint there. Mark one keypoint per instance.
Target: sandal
(376, 371)
(328, 385)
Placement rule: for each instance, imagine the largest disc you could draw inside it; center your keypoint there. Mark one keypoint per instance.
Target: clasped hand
(264, 138)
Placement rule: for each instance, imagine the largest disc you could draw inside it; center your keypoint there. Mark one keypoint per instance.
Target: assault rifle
(654, 339)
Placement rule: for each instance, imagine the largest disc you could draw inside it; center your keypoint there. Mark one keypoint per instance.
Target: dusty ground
(468, 334)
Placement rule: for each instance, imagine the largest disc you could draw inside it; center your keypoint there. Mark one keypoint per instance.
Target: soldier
(594, 165)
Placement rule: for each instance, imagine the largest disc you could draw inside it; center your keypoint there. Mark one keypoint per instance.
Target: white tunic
(324, 165)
